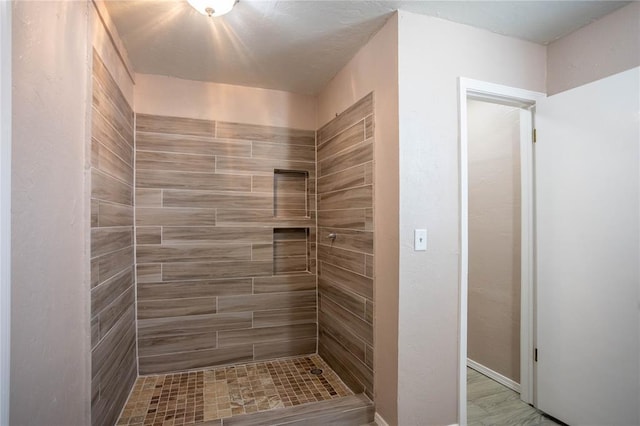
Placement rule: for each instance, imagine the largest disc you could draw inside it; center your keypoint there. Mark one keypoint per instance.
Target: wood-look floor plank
(263, 217)
(185, 289)
(347, 320)
(290, 264)
(350, 157)
(104, 133)
(187, 144)
(266, 334)
(176, 307)
(114, 262)
(348, 218)
(319, 413)
(369, 127)
(369, 266)
(256, 302)
(368, 357)
(195, 359)
(148, 234)
(350, 341)
(174, 125)
(102, 104)
(289, 316)
(110, 214)
(105, 240)
(147, 197)
(207, 199)
(369, 311)
(283, 152)
(356, 367)
(284, 283)
(341, 295)
(215, 270)
(284, 348)
(360, 197)
(356, 283)
(146, 216)
(170, 161)
(107, 188)
(349, 178)
(109, 163)
(108, 291)
(172, 344)
(109, 85)
(191, 180)
(289, 248)
(219, 234)
(105, 353)
(260, 166)
(265, 133)
(192, 253)
(192, 324)
(148, 273)
(341, 141)
(346, 259)
(110, 315)
(347, 118)
(349, 239)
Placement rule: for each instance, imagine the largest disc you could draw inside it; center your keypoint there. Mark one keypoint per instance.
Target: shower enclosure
(211, 263)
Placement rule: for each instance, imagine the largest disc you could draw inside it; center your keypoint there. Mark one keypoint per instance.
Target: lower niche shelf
(290, 250)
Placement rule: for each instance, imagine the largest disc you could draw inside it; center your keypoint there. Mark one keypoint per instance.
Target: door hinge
(535, 354)
(535, 136)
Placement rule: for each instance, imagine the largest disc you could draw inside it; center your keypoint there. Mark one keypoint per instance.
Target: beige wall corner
(375, 68)
(432, 55)
(160, 95)
(605, 47)
(50, 345)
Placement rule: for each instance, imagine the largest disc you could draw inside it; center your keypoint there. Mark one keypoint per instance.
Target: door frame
(5, 207)
(496, 93)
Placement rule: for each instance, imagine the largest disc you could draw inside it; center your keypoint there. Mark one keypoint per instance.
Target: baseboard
(493, 375)
(379, 420)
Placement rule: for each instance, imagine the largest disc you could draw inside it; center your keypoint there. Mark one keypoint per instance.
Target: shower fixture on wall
(213, 8)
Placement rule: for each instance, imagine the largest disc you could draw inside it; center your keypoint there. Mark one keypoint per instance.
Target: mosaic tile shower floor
(196, 397)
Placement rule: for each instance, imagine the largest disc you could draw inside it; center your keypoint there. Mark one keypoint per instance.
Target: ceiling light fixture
(213, 7)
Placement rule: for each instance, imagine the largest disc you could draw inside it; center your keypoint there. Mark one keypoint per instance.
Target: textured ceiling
(299, 45)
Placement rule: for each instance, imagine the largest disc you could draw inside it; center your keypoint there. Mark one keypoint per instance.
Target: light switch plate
(420, 240)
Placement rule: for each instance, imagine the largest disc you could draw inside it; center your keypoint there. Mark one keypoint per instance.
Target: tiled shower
(207, 237)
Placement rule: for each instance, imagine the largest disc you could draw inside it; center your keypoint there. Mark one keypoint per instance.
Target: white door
(588, 227)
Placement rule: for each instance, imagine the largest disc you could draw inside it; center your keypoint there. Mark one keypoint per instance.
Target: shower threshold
(258, 393)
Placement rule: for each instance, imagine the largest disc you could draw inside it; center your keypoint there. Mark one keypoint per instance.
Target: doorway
(520, 104)
(493, 329)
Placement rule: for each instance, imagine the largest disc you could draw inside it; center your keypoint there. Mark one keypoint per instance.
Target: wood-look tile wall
(225, 242)
(113, 330)
(345, 265)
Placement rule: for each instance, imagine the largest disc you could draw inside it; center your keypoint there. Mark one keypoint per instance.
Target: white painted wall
(375, 68)
(155, 94)
(493, 333)
(433, 53)
(50, 343)
(605, 47)
(5, 209)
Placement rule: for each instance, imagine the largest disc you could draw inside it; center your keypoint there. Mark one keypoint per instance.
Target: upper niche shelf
(290, 193)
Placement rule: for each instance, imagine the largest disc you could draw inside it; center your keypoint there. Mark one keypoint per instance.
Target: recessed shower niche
(290, 250)
(290, 193)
